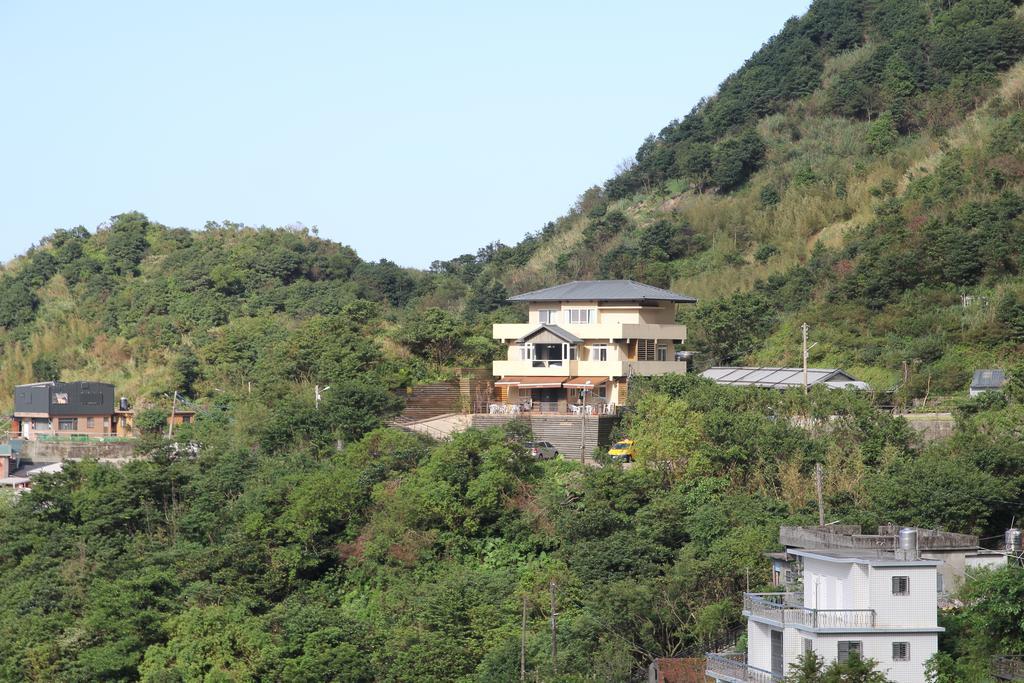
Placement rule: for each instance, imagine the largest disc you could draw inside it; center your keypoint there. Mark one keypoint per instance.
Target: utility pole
(806, 352)
(170, 423)
(817, 488)
(522, 645)
(554, 630)
(583, 425)
(318, 394)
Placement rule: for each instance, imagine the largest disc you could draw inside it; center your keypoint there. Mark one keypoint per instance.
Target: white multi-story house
(880, 604)
(582, 340)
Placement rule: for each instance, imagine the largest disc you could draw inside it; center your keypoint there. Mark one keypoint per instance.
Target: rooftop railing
(788, 609)
(733, 666)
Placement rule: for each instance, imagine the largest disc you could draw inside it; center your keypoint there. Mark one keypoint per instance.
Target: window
(599, 352)
(601, 391)
(848, 647)
(60, 399)
(67, 424)
(662, 352)
(573, 353)
(90, 422)
(582, 316)
(938, 583)
(526, 351)
(901, 585)
(645, 349)
(548, 316)
(808, 645)
(901, 652)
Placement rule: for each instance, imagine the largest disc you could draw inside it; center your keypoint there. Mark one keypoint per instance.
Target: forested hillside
(862, 172)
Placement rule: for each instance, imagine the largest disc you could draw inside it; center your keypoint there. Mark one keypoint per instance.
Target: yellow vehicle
(622, 451)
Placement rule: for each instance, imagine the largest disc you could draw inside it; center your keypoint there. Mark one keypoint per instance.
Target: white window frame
(548, 316)
(599, 352)
(662, 352)
(901, 585)
(581, 316)
(526, 351)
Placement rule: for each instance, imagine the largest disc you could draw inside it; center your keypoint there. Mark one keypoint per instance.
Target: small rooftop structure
(604, 290)
(555, 334)
(991, 379)
(782, 378)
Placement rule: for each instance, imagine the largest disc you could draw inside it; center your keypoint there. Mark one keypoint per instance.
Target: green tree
(882, 133)
(45, 369)
(151, 420)
(434, 334)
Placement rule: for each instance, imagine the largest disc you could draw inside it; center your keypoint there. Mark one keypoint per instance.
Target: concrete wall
(563, 431)
(43, 452)
(916, 610)
(932, 426)
(878, 646)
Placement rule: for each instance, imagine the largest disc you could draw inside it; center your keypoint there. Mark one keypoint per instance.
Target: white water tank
(906, 544)
(1014, 544)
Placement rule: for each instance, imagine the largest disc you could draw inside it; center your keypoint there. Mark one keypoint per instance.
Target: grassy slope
(834, 149)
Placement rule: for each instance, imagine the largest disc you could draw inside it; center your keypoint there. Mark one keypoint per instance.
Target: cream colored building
(582, 342)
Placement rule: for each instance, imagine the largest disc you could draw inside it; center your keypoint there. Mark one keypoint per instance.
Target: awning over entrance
(530, 382)
(584, 382)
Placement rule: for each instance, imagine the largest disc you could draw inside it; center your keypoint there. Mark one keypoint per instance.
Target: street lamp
(318, 394)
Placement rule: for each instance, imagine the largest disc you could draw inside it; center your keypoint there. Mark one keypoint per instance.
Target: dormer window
(582, 316)
(548, 316)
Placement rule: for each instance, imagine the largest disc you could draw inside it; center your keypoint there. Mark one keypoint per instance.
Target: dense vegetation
(863, 172)
(398, 559)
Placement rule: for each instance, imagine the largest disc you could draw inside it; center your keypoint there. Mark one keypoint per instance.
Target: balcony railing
(733, 666)
(788, 609)
(1008, 668)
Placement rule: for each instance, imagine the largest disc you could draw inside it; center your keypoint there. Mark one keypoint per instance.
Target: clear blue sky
(411, 131)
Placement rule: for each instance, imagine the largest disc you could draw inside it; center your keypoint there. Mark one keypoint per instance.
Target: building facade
(47, 409)
(581, 343)
(879, 604)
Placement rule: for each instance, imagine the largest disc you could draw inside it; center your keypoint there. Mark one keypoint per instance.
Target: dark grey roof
(779, 378)
(555, 330)
(603, 290)
(988, 379)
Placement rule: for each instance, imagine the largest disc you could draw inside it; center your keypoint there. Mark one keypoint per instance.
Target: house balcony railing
(732, 666)
(787, 609)
(1008, 667)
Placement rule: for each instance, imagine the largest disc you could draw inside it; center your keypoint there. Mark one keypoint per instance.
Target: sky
(411, 131)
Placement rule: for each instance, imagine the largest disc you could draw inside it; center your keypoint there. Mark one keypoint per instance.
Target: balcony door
(777, 653)
(548, 355)
(545, 400)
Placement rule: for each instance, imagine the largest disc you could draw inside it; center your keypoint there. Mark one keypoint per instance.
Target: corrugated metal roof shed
(604, 290)
(988, 379)
(781, 378)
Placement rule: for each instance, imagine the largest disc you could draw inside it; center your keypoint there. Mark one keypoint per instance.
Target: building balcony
(586, 368)
(786, 609)
(733, 667)
(598, 332)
